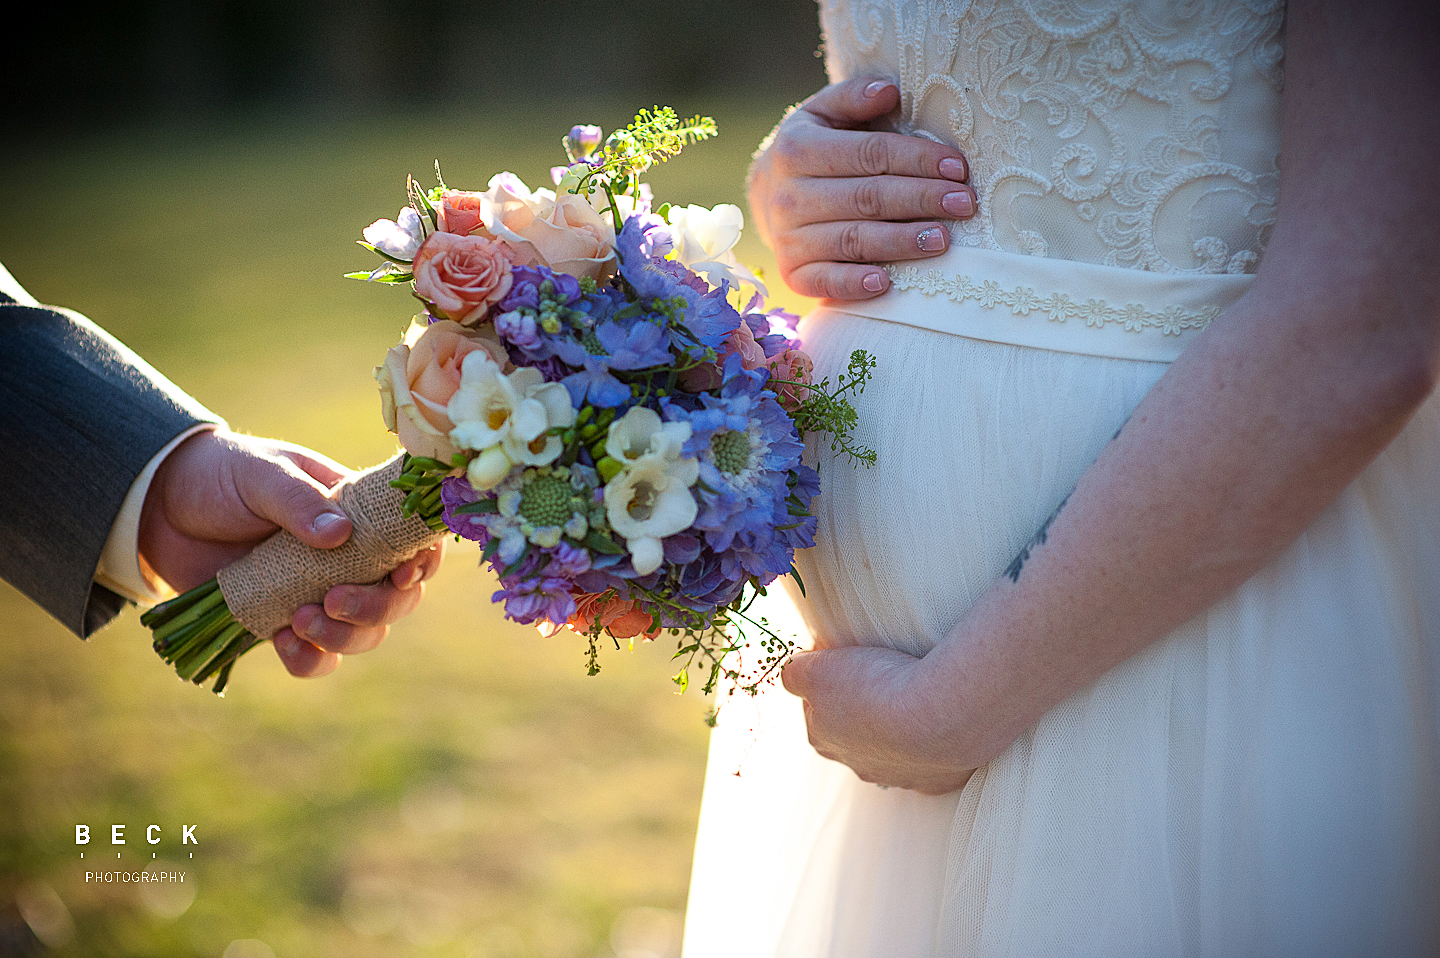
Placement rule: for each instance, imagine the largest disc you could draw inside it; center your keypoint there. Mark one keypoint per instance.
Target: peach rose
(619, 616)
(462, 276)
(459, 211)
(741, 340)
(561, 231)
(792, 366)
(419, 377)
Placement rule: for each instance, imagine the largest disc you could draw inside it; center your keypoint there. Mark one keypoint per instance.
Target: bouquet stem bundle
(395, 510)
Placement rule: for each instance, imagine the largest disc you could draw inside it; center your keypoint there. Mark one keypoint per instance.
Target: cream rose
(561, 231)
(418, 379)
(462, 276)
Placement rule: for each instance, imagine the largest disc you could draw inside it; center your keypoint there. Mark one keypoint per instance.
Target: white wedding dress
(1264, 781)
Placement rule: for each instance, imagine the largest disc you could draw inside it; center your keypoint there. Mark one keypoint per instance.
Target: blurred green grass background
(465, 790)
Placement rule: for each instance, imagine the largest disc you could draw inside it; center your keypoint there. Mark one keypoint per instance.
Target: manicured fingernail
(958, 204)
(876, 88)
(931, 240)
(953, 169)
(873, 282)
(326, 521)
(349, 604)
(411, 576)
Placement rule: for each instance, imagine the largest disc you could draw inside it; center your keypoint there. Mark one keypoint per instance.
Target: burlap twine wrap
(264, 589)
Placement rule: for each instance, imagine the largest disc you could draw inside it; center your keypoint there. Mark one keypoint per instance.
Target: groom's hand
(830, 195)
(218, 495)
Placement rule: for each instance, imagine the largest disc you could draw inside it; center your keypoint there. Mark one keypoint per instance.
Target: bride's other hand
(876, 710)
(219, 494)
(831, 196)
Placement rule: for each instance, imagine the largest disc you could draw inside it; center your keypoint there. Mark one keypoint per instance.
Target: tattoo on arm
(1012, 571)
(1018, 563)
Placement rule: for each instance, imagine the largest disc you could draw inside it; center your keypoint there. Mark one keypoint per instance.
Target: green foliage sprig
(654, 136)
(827, 409)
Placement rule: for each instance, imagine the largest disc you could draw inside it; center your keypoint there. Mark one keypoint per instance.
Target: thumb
(281, 492)
(854, 102)
(798, 675)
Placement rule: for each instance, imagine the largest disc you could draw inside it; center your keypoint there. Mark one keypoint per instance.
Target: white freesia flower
(650, 498)
(543, 449)
(506, 418)
(640, 432)
(399, 237)
(705, 242)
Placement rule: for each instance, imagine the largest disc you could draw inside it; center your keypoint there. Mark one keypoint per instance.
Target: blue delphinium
(636, 343)
(702, 582)
(666, 286)
(799, 530)
(773, 329)
(747, 450)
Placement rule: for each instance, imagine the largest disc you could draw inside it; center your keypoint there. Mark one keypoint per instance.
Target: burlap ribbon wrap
(264, 589)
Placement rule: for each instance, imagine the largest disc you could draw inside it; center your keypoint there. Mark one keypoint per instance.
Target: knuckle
(783, 200)
(874, 154)
(785, 151)
(296, 496)
(787, 247)
(868, 199)
(852, 243)
(825, 287)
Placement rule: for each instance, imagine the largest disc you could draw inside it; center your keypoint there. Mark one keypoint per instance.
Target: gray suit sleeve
(80, 417)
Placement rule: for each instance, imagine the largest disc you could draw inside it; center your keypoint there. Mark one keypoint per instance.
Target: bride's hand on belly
(871, 709)
(832, 197)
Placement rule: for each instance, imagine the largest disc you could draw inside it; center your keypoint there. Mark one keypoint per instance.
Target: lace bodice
(1134, 133)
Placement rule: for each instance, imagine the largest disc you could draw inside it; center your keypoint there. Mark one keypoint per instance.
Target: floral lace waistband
(1054, 304)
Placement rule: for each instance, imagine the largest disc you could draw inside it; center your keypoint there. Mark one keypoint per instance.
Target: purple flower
(457, 491)
(518, 327)
(804, 485)
(704, 584)
(539, 597)
(528, 288)
(582, 141)
(567, 561)
(773, 330)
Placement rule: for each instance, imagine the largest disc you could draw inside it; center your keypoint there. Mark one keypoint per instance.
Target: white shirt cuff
(120, 570)
(10, 287)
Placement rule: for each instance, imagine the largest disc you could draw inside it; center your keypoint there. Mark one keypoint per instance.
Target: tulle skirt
(1263, 781)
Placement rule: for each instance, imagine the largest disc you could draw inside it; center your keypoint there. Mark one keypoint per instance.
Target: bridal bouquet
(596, 393)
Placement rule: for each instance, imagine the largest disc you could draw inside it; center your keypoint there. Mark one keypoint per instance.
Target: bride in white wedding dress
(1202, 703)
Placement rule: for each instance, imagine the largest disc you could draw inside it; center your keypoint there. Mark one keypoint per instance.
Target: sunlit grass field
(465, 790)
